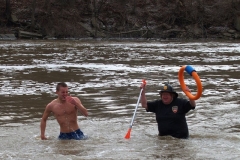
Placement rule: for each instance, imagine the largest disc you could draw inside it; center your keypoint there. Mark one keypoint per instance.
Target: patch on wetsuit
(175, 109)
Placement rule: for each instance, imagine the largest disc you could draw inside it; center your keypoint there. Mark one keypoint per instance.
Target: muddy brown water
(106, 76)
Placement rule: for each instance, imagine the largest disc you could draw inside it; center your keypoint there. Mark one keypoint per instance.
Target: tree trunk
(8, 11)
(33, 14)
(202, 14)
(94, 16)
(46, 6)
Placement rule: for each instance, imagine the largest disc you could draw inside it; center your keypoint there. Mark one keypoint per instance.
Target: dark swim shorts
(77, 135)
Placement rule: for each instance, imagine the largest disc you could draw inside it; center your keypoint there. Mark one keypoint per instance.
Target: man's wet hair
(61, 84)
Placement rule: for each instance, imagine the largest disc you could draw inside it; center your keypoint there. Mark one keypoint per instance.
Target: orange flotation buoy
(191, 71)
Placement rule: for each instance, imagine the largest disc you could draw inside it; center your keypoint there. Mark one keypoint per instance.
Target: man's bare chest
(63, 109)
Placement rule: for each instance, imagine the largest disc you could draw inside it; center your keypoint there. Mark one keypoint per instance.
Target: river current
(106, 76)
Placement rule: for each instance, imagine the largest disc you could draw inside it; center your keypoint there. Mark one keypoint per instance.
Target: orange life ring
(194, 74)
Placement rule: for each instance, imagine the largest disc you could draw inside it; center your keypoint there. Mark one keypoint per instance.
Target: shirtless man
(65, 110)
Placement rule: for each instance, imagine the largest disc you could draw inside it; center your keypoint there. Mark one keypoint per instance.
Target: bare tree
(46, 5)
(96, 7)
(33, 14)
(8, 11)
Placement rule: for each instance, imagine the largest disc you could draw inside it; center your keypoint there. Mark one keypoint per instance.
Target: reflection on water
(106, 76)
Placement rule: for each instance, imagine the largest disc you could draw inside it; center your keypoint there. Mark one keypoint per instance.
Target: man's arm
(76, 101)
(192, 102)
(143, 96)
(44, 122)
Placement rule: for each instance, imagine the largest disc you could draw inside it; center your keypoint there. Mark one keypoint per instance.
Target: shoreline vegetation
(125, 19)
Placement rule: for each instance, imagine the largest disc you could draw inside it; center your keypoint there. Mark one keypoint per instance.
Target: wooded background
(122, 18)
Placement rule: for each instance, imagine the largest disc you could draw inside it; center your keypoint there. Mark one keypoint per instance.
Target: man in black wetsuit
(170, 111)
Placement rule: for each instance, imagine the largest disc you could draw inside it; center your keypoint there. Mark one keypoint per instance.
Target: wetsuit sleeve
(187, 106)
(151, 106)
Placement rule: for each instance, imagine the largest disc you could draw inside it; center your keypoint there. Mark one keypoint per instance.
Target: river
(106, 76)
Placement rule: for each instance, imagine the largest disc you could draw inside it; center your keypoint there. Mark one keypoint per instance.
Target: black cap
(168, 88)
